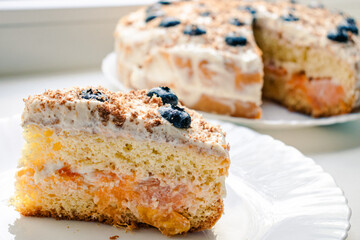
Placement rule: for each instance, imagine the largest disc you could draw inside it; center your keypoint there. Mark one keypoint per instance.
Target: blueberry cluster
(235, 40)
(289, 18)
(153, 12)
(169, 22)
(338, 36)
(341, 34)
(349, 26)
(177, 116)
(167, 96)
(351, 21)
(236, 22)
(194, 30)
(93, 94)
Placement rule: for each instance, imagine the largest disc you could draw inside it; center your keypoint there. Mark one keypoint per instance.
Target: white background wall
(42, 36)
(52, 36)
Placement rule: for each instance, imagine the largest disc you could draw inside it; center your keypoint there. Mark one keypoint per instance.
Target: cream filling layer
(189, 190)
(222, 81)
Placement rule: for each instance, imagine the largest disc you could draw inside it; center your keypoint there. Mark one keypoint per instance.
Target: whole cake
(122, 159)
(209, 52)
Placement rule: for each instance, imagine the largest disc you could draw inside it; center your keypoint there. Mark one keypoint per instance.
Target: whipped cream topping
(130, 115)
(214, 63)
(92, 176)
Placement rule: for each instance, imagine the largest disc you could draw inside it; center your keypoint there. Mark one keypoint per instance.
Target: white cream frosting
(75, 116)
(222, 83)
(48, 170)
(91, 177)
(160, 71)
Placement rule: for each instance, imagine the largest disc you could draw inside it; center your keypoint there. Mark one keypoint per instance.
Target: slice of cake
(311, 57)
(204, 50)
(121, 159)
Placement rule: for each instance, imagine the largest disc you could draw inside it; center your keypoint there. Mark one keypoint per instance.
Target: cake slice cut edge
(94, 155)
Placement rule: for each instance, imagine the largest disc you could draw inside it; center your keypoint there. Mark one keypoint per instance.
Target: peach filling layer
(319, 93)
(151, 200)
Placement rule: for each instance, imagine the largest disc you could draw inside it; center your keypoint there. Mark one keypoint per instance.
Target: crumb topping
(203, 22)
(121, 111)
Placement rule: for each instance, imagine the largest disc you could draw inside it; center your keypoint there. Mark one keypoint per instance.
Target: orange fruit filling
(157, 203)
(319, 93)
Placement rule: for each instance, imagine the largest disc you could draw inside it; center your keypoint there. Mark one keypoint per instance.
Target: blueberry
(235, 40)
(348, 28)
(169, 22)
(248, 8)
(194, 30)
(236, 22)
(205, 14)
(338, 36)
(351, 21)
(93, 94)
(289, 18)
(164, 2)
(152, 15)
(166, 95)
(176, 116)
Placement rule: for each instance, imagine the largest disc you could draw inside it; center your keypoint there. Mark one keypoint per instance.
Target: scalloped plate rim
(281, 150)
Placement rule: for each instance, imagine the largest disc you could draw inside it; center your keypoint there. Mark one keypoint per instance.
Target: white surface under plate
(274, 115)
(273, 193)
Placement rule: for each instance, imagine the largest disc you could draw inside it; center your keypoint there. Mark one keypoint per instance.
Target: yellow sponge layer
(119, 181)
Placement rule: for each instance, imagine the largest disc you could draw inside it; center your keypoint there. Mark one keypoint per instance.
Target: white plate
(273, 192)
(274, 115)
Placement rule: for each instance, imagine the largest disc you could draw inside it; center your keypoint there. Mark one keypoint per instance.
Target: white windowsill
(65, 4)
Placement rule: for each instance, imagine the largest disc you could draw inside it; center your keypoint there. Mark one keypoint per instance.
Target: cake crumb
(114, 237)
